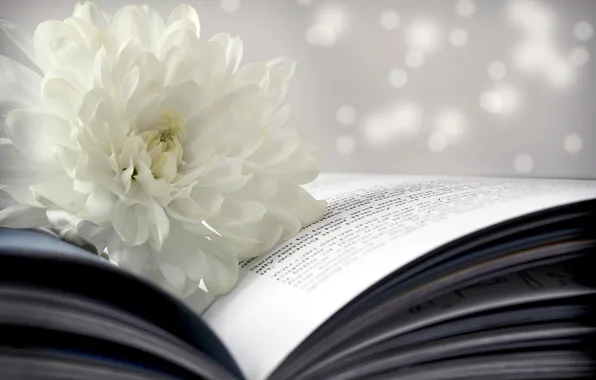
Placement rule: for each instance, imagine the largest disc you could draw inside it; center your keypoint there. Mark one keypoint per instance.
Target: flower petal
(35, 133)
(200, 260)
(19, 87)
(101, 70)
(22, 39)
(58, 193)
(236, 212)
(186, 12)
(16, 169)
(139, 22)
(74, 55)
(234, 49)
(128, 87)
(281, 71)
(175, 275)
(23, 216)
(99, 205)
(253, 73)
(89, 11)
(300, 203)
(44, 34)
(130, 223)
(277, 147)
(180, 35)
(131, 258)
(225, 176)
(61, 97)
(159, 225)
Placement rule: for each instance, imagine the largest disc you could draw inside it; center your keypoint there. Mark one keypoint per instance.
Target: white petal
(151, 81)
(88, 32)
(61, 97)
(101, 70)
(127, 55)
(225, 176)
(128, 87)
(253, 73)
(239, 212)
(182, 97)
(131, 258)
(90, 103)
(186, 12)
(129, 223)
(35, 133)
(300, 203)
(58, 192)
(179, 35)
(19, 87)
(283, 216)
(15, 169)
(43, 36)
(234, 49)
(207, 198)
(160, 225)
(281, 70)
(98, 207)
(90, 11)
(74, 55)
(23, 216)
(22, 39)
(199, 260)
(139, 22)
(148, 112)
(299, 168)
(276, 147)
(165, 166)
(174, 275)
(22, 194)
(281, 117)
(282, 67)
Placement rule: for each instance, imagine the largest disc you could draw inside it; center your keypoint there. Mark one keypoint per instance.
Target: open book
(404, 277)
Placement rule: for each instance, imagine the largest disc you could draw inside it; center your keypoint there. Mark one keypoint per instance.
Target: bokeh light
(573, 143)
(346, 115)
(345, 144)
(330, 23)
(414, 58)
(401, 121)
(523, 163)
(579, 56)
(537, 54)
(584, 31)
(229, 6)
(451, 123)
(458, 37)
(436, 142)
(502, 99)
(423, 35)
(398, 77)
(497, 70)
(465, 8)
(390, 20)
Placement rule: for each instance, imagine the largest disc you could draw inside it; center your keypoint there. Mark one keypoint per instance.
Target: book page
(373, 226)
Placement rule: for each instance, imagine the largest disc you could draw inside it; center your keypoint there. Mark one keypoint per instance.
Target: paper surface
(373, 226)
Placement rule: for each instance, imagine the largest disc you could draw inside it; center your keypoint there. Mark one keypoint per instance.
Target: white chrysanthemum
(151, 142)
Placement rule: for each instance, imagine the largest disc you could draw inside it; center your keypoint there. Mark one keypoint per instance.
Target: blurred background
(475, 87)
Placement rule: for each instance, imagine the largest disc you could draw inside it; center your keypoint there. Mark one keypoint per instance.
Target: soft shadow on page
(373, 226)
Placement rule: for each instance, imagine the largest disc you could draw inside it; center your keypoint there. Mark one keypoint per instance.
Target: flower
(154, 144)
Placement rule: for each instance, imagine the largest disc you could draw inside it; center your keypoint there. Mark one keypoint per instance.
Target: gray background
(484, 87)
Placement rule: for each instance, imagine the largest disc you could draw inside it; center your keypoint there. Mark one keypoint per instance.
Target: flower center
(163, 145)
